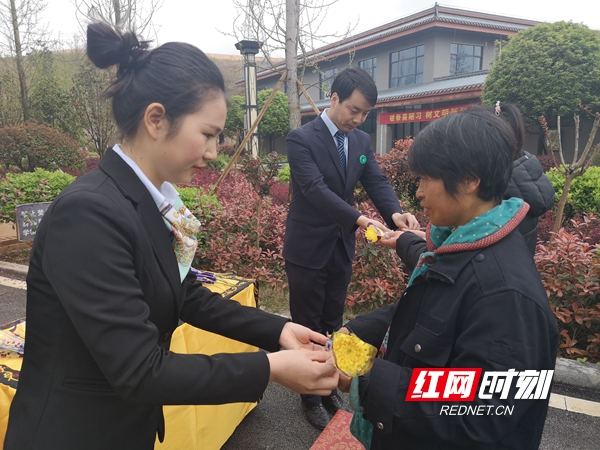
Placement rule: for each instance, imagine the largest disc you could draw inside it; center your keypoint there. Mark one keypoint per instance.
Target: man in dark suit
(327, 158)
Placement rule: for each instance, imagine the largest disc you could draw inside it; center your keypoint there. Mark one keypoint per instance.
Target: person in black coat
(474, 300)
(110, 280)
(528, 181)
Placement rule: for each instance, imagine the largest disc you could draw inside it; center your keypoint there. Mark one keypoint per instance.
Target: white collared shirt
(334, 129)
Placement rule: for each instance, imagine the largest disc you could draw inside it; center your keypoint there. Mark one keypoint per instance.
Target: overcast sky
(197, 21)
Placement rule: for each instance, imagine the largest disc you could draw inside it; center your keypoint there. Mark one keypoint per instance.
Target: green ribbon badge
(363, 159)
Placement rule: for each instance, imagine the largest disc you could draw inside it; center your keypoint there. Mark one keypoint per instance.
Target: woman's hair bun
(107, 47)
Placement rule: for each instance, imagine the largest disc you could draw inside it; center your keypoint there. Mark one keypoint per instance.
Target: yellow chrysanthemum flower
(352, 356)
(373, 234)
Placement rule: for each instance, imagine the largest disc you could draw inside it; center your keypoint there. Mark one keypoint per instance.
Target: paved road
(12, 304)
(277, 422)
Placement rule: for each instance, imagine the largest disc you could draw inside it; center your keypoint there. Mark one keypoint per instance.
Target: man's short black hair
(351, 79)
(474, 144)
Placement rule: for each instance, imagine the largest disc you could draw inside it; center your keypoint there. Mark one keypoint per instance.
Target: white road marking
(12, 283)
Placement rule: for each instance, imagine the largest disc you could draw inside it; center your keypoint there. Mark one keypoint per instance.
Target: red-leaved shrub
(280, 193)
(570, 270)
(394, 166)
(378, 278)
(545, 225)
(233, 234)
(205, 179)
(91, 162)
(546, 161)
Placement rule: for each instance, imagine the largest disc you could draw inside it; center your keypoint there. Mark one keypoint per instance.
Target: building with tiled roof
(425, 66)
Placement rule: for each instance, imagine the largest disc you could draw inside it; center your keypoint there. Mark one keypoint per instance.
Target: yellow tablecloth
(187, 427)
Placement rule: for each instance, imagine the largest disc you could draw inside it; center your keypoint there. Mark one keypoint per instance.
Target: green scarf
(480, 232)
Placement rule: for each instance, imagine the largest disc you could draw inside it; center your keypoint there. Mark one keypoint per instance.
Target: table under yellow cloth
(187, 427)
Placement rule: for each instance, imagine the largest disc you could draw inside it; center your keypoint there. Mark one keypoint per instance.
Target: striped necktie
(341, 140)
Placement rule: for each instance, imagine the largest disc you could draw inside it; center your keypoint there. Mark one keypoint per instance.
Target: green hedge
(284, 174)
(221, 162)
(584, 195)
(30, 187)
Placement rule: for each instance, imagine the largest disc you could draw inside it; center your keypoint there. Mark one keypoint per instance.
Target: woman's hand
(304, 371)
(296, 337)
(419, 233)
(390, 239)
(344, 383)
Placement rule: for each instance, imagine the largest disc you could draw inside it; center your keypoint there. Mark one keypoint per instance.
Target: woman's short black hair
(351, 79)
(177, 75)
(474, 144)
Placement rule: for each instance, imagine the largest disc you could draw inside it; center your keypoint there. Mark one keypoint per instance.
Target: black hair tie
(132, 52)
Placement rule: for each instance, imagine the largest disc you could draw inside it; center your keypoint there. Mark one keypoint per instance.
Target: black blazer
(103, 298)
(323, 197)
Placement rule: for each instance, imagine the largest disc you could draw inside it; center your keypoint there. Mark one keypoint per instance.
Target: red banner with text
(420, 115)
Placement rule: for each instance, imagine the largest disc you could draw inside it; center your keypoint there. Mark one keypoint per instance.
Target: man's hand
(405, 221)
(364, 222)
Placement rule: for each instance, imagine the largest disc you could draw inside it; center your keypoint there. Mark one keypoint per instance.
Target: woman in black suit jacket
(109, 277)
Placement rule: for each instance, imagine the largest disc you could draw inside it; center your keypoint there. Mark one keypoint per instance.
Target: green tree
(234, 124)
(89, 83)
(276, 121)
(547, 70)
(50, 102)
(11, 111)
(22, 32)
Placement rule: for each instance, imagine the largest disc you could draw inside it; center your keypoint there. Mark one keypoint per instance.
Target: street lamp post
(249, 49)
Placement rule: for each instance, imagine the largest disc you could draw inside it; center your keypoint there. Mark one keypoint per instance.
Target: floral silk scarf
(184, 226)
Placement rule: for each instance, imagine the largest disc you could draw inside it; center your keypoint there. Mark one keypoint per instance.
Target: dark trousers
(317, 296)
